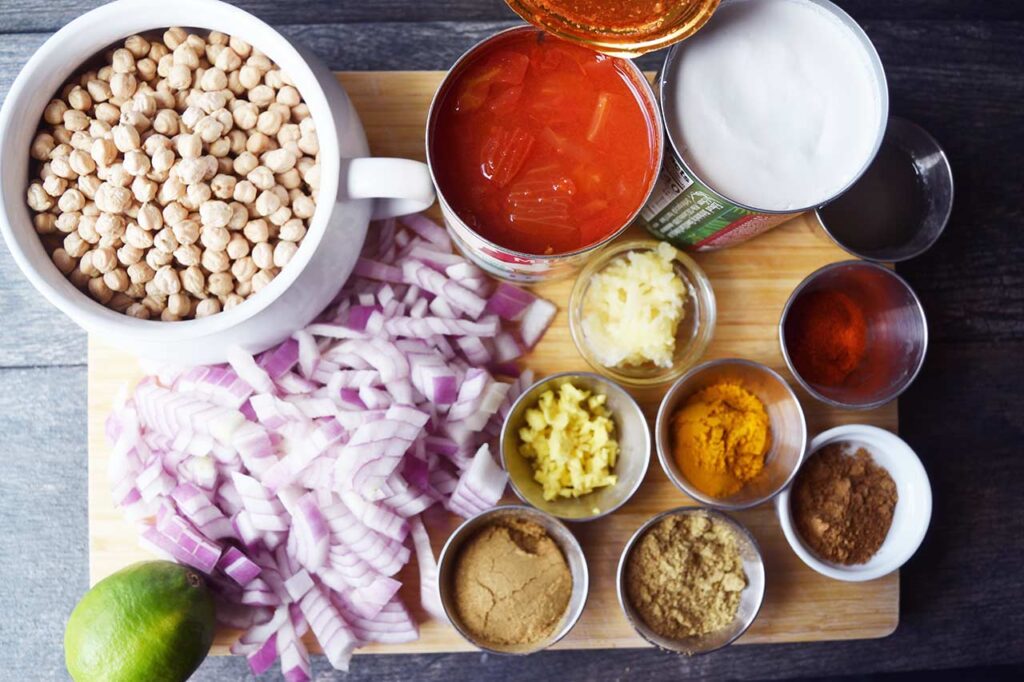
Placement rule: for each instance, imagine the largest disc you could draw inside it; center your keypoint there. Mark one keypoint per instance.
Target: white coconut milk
(775, 104)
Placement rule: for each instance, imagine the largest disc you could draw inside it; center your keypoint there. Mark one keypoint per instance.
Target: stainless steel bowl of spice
(691, 580)
(854, 334)
(860, 505)
(730, 433)
(642, 312)
(575, 445)
(535, 599)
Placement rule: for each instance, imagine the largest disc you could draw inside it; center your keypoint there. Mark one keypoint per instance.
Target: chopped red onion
(297, 478)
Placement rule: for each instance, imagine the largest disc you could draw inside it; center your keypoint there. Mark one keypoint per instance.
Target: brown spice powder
(512, 583)
(843, 504)
(685, 576)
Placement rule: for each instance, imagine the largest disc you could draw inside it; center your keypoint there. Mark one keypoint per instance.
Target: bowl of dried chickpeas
(163, 168)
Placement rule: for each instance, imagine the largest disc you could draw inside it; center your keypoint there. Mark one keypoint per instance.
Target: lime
(150, 622)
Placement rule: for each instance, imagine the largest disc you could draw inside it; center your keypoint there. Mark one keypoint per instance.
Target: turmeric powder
(722, 435)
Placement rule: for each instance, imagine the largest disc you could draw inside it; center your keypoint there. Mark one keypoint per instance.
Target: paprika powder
(826, 334)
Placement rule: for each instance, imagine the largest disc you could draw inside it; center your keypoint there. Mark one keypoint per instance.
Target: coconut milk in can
(775, 107)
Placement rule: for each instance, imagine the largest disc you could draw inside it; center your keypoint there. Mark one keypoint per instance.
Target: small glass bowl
(694, 332)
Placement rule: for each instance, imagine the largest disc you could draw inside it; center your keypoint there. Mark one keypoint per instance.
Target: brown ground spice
(685, 576)
(512, 583)
(843, 504)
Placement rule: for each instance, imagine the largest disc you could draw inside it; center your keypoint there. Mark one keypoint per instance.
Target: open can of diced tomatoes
(542, 151)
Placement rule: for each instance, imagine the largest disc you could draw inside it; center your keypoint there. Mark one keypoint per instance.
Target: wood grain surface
(751, 284)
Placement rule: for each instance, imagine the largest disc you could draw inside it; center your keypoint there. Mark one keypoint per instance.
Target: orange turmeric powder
(721, 437)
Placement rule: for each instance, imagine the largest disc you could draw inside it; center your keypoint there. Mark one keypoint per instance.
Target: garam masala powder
(512, 583)
(843, 504)
(685, 576)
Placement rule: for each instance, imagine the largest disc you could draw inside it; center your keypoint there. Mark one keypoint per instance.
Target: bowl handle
(400, 186)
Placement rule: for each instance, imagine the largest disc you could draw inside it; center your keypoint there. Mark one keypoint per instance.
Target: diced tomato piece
(504, 153)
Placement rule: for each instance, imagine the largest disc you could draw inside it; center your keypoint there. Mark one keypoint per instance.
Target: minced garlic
(570, 442)
(632, 309)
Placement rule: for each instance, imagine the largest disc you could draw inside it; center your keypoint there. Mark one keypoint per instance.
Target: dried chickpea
(137, 310)
(259, 143)
(214, 214)
(171, 190)
(166, 122)
(166, 280)
(63, 261)
(71, 200)
(179, 77)
(215, 261)
(263, 255)
(261, 177)
(290, 179)
(174, 213)
(76, 120)
(279, 160)
(113, 199)
(98, 90)
(79, 100)
(220, 283)
(126, 138)
(262, 278)
(45, 223)
(238, 247)
(54, 185)
(154, 302)
(144, 190)
(99, 290)
(146, 68)
(207, 307)
(219, 149)
(279, 217)
(81, 162)
(140, 272)
(196, 195)
(79, 278)
(249, 76)
(54, 112)
(42, 145)
(178, 304)
(215, 238)
(162, 160)
(246, 163)
(68, 222)
(244, 268)
(116, 280)
(189, 146)
(138, 237)
(165, 241)
(256, 231)
(239, 216)
(129, 255)
(245, 192)
(122, 86)
(223, 187)
(284, 252)
(110, 225)
(193, 280)
(103, 259)
(75, 246)
(136, 163)
(86, 265)
(107, 113)
(186, 232)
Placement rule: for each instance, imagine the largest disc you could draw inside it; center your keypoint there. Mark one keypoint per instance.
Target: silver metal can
(684, 210)
(506, 263)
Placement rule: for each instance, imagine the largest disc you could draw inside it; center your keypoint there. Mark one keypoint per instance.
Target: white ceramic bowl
(349, 183)
(910, 519)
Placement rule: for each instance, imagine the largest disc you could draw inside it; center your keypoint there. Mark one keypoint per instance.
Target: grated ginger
(633, 307)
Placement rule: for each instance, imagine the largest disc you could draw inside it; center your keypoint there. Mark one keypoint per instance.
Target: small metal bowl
(692, 336)
(786, 419)
(631, 431)
(907, 147)
(750, 599)
(897, 333)
(565, 540)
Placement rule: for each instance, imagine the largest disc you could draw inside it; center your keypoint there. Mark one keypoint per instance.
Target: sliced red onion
(245, 366)
(509, 302)
(428, 230)
(430, 597)
(238, 567)
(536, 319)
(334, 635)
(481, 485)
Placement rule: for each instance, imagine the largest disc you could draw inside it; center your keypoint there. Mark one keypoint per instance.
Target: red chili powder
(826, 336)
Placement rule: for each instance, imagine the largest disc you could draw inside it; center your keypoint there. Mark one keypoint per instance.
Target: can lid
(621, 28)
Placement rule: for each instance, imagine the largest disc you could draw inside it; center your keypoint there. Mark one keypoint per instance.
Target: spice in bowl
(522, 603)
(570, 442)
(826, 334)
(685, 576)
(721, 437)
(843, 504)
(632, 309)
(176, 176)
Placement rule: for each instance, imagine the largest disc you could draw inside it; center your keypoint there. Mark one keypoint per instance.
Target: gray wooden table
(955, 67)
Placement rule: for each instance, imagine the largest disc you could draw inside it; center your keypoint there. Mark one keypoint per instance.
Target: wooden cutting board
(751, 283)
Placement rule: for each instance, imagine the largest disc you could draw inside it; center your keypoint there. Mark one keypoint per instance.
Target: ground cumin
(685, 575)
(512, 583)
(843, 504)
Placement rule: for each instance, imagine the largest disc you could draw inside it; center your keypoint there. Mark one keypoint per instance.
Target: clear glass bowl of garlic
(642, 312)
(175, 174)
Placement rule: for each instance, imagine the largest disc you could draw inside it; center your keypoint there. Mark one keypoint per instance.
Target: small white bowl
(910, 519)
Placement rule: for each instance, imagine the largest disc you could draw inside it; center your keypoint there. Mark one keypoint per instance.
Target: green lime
(150, 622)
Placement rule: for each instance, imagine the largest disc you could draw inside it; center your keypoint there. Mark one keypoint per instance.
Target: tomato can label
(688, 214)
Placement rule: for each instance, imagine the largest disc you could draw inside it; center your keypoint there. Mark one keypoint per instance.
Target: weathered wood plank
(19, 16)
(42, 503)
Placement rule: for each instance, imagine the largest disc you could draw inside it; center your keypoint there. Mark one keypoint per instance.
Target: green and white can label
(690, 215)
